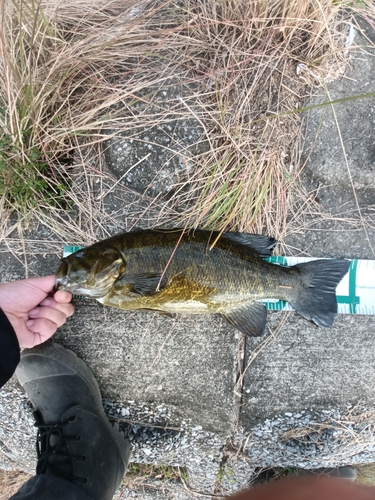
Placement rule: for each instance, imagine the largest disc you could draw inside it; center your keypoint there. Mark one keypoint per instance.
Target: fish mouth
(63, 283)
(94, 281)
(77, 288)
(62, 276)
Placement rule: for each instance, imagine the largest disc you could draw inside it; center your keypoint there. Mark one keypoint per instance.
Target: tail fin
(317, 297)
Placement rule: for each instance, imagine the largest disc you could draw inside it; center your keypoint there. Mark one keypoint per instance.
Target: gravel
(311, 439)
(305, 439)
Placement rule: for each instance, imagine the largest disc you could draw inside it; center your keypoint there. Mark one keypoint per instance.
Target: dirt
(11, 481)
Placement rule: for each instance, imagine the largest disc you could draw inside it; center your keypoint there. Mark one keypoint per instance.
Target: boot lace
(52, 452)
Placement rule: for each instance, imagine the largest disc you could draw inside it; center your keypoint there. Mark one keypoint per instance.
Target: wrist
(13, 320)
(10, 349)
(9, 322)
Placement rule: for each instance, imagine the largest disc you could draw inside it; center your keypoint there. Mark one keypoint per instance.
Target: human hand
(34, 311)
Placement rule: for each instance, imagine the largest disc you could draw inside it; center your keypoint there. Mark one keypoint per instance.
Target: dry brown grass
(246, 54)
(77, 69)
(354, 430)
(10, 482)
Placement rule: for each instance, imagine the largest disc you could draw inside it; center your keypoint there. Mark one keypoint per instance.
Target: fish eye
(79, 254)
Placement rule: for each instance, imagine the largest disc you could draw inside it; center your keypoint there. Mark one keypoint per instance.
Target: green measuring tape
(355, 293)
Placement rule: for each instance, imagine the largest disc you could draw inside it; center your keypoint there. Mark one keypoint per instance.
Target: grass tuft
(75, 74)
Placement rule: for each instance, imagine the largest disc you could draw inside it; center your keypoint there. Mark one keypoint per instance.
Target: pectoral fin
(142, 284)
(250, 319)
(162, 313)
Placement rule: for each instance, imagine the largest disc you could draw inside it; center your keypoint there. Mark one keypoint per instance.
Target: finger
(32, 339)
(55, 315)
(44, 283)
(324, 488)
(38, 339)
(42, 326)
(62, 296)
(65, 307)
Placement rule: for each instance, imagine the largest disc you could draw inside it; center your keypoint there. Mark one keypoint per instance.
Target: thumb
(62, 296)
(43, 283)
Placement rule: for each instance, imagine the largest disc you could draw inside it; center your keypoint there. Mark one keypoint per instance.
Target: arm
(9, 350)
(31, 314)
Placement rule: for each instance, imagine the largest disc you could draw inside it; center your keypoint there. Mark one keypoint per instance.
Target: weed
(226, 475)
(25, 173)
(22, 180)
(265, 475)
(140, 472)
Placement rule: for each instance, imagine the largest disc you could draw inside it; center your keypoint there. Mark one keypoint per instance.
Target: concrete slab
(339, 149)
(185, 362)
(310, 368)
(308, 374)
(154, 158)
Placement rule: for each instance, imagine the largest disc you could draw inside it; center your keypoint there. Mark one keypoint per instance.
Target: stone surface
(170, 382)
(310, 368)
(152, 160)
(340, 151)
(185, 362)
(307, 370)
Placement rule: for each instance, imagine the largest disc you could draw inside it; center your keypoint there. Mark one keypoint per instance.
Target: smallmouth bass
(171, 271)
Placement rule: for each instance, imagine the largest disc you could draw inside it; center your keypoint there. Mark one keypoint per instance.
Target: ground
(191, 392)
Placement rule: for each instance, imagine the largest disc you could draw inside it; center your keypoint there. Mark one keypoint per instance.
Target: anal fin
(249, 319)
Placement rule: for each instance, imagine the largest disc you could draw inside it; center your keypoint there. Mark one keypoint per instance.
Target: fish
(201, 272)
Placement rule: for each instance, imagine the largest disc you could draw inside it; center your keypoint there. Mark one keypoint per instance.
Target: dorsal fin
(263, 245)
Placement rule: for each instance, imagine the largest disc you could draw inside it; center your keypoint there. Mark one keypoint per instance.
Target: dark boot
(75, 439)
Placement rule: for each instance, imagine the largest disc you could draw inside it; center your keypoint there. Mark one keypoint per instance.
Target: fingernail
(30, 322)
(33, 312)
(46, 302)
(64, 296)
